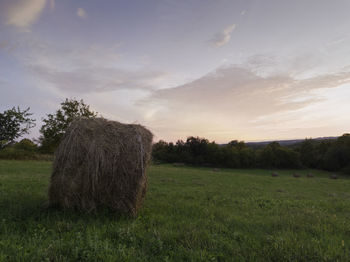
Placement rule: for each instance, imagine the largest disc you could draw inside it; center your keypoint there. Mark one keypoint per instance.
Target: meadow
(190, 214)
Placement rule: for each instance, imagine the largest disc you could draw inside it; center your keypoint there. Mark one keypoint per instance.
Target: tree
(13, 124)
(275, 155)
(229, 157)
(160, 151)
(307, 153)
(337, 157)
(239, 145)
(197, 147)
(56, 124)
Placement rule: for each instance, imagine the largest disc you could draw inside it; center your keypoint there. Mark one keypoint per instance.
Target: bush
(26, 144)
(16, 152)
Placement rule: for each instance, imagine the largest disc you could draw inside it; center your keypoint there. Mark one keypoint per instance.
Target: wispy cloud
(98, 79)
(23, 13)
(235, 101)
(92, 69)
(224, 36)
(81, 13)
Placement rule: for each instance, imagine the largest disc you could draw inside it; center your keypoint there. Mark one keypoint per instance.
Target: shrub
(26, 144)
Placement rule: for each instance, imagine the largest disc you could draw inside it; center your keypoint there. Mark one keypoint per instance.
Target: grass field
(190, 214)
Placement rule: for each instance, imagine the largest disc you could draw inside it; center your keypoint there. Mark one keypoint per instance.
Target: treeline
(14, 123)
(332, 155)
(25, 149)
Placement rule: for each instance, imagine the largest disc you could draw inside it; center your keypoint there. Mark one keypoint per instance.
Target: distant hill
(287, 142)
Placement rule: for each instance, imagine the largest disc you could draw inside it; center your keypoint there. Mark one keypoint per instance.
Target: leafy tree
(160, 151)
(197, 147)
(247, 157)
(229, 157)
(56, 124)
(274, 155)
(337, 156)
(308, 154)
(13, 124)
(239, 145)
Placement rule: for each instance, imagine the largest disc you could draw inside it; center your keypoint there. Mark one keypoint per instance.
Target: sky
(250, 70)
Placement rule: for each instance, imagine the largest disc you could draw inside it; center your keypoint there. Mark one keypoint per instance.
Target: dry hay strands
(101, 163)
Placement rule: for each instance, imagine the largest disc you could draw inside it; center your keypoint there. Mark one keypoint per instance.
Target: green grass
(190, 214)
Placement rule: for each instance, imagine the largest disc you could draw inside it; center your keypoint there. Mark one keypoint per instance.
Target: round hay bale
(296, 175)
(101, 163)
(310, 175)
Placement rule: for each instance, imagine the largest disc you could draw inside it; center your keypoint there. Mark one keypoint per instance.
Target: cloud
(92, 69)
(98, 79)
(23, 13)
(4, 44)
(243, 12)
(223, 37)
(81, 13)
(52, 4)
(95, 73)
(235, 101)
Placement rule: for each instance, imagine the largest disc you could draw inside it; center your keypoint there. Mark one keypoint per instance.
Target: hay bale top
(101, 163)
